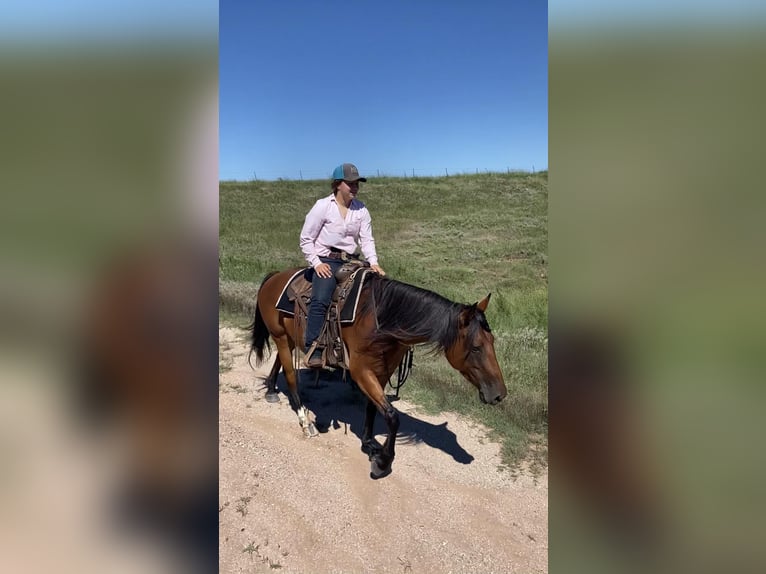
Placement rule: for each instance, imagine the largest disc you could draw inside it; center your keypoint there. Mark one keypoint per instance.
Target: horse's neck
(436, 306)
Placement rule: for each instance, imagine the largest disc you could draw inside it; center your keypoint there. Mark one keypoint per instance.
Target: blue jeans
(321, 295)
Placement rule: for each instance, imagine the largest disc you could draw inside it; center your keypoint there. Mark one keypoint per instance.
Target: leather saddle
(296, 297)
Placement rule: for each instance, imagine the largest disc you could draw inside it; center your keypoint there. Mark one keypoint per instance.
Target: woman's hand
(378, 269)
(323, 270)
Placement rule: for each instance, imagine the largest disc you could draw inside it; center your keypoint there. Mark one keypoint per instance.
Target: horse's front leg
(372, 386)
(370, 446)
(380, 465)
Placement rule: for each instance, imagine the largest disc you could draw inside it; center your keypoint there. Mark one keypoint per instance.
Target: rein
(405, 367)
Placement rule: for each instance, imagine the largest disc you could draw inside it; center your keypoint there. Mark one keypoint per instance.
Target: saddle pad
(347, 312)
(283, 303)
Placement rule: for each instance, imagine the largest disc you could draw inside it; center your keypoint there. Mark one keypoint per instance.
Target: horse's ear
(467, 314)
(482, 305)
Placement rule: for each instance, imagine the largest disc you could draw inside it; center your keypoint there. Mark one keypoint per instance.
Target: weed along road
(300, 505)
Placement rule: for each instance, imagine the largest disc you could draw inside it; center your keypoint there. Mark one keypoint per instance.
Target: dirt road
(297, 505)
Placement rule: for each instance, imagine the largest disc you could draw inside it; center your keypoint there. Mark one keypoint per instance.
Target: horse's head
(473, 353)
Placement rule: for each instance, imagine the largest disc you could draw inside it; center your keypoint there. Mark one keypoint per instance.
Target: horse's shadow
(336, 402)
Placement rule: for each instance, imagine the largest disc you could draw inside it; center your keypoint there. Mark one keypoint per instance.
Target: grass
(461, 236)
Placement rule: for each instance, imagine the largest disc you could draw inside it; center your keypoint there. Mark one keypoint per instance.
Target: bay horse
(391, 316)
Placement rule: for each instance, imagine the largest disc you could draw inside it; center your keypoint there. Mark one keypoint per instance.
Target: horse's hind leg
(272, 396)
(285, 357)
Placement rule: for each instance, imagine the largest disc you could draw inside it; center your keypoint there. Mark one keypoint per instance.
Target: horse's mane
(408, 312)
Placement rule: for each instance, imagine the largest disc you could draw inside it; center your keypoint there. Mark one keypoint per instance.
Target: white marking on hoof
(308, 427)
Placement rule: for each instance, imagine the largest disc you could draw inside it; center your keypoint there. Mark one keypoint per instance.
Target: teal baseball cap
(347, 172)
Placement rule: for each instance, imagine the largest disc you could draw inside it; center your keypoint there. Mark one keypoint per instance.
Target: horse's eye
(476, 349)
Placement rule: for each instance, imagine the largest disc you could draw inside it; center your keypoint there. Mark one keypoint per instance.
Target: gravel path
(297, 505)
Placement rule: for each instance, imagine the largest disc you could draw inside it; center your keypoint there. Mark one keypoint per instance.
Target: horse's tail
(260, 336)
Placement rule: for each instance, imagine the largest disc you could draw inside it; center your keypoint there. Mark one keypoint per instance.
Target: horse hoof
(310, 431)
(376, 471)
(372, 449)
(272, 397)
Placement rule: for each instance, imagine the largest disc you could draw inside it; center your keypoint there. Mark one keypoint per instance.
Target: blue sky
(390, 86)
(642, 13)
(86, 20)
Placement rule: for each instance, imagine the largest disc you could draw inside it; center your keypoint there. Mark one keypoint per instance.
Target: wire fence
(307, 174)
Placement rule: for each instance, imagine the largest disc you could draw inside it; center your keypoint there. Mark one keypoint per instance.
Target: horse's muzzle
(491, 396)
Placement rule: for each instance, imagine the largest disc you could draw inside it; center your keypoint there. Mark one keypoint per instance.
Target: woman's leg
(321, 295)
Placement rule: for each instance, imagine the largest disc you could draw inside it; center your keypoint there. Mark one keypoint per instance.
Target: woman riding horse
(391, 317)
(331, 232)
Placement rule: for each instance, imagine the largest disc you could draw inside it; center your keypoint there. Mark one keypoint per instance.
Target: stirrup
(314, 357)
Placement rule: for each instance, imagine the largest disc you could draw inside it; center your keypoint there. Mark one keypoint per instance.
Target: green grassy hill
(460, 236)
